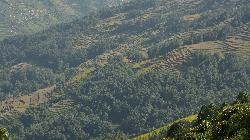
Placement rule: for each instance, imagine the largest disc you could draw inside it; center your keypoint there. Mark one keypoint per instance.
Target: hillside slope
(125, 70)
(213, 123)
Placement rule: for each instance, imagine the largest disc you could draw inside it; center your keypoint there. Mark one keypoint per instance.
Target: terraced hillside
(20, 104)
(61, 105)
(110, 29)
(127, 69)
(239, 42)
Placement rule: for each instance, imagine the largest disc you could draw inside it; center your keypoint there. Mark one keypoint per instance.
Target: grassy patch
(81, 75)
(155, 132)
(191, 17)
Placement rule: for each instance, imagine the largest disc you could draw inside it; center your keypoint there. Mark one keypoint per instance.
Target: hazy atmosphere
(124, 69)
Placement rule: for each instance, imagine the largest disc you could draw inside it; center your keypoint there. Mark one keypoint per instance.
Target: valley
(122, 71)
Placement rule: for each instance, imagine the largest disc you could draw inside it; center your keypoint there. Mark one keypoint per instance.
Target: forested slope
(125, 70)
(228, 121)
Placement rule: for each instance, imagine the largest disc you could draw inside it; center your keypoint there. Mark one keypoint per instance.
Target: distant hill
(24, 16)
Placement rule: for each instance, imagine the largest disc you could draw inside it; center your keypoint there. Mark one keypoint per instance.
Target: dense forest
(126, 70)
(114, 101)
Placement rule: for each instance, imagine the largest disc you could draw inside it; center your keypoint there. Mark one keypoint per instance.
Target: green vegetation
(125, 70)
(111, 100)
(159, 131)
(23, 79)
(224, 122)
